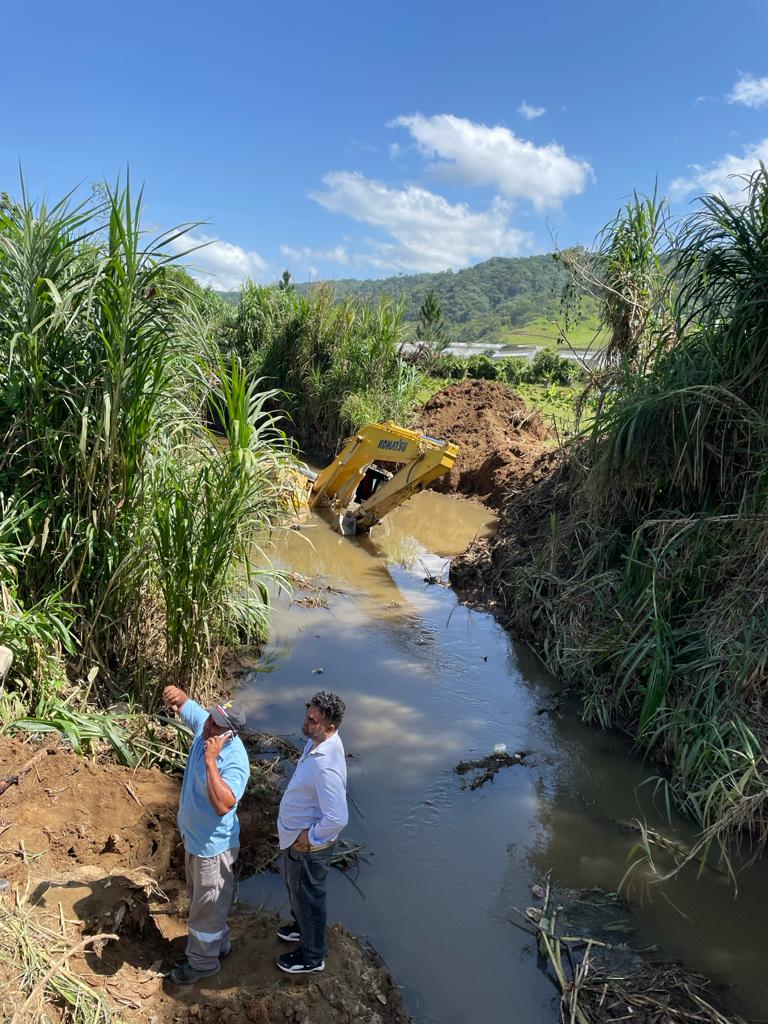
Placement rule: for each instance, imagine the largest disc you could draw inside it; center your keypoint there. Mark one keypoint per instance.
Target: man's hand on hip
(174, 698)
(301, 842)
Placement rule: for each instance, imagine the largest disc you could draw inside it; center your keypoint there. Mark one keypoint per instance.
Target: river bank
(91, 848)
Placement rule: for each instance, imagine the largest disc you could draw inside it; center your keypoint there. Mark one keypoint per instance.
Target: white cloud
(529, 112)
(429, 233)
(725, 176)
(306, 256)
(394, 150)
(475, 154)
(220, 265)
(751, 91)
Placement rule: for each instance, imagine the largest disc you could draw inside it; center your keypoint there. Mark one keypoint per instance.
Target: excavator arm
(363, 493)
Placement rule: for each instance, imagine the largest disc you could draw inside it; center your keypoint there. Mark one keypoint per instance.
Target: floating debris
(487, 767)
(348, 855)
(431, 578)
(312, 601)
(268, 743)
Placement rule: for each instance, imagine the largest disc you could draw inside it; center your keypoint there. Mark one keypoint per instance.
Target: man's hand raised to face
(174, 698)
(214, 746)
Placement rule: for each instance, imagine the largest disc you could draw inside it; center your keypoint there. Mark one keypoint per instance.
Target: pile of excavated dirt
(92, 848)
(500, 440)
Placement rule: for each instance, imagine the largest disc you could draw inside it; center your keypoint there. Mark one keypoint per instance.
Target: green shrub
(512, 369)
(338, 364)
(482, 367)
(549, 367)
(450, 367)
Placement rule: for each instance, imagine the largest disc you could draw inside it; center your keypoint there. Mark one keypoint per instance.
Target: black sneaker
(289, 932)
(294, 963)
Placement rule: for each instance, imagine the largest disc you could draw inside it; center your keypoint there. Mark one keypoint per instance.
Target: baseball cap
(228, 715)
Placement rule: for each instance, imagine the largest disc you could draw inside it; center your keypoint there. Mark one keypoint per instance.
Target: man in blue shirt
(312, 813)
(214, 781)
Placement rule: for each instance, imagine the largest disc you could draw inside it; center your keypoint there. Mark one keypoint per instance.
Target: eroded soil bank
(92, 848)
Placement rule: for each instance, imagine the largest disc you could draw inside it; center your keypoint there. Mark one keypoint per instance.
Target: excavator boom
(353, 479)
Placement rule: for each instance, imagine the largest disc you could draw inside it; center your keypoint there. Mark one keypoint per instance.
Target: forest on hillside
(485, 302)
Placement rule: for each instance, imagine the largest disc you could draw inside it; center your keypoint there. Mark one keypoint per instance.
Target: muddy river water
(429, 682)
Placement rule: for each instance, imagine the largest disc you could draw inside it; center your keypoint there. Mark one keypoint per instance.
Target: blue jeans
(305, 875)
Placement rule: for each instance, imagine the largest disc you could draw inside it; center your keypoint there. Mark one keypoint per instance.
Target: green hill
(503, 300)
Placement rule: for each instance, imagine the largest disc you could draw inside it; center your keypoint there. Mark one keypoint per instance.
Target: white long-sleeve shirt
(316, 797)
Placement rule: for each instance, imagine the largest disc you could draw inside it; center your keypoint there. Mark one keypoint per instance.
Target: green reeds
(207, 512)
(132, 526)
(338, 364)
(649, 590)
(130, 736)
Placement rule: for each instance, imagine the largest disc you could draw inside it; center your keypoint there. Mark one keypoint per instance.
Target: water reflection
(584, 835)
(428, 682)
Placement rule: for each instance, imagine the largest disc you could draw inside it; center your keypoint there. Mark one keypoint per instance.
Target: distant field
(545, 332)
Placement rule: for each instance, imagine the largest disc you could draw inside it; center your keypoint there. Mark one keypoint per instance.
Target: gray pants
(211, 886)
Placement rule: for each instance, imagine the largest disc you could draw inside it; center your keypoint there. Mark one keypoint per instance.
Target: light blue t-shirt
(206, 833)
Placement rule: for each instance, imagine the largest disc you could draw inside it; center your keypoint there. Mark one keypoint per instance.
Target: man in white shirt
(312, 814)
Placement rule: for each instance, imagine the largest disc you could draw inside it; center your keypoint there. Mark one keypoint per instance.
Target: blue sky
(361, 140)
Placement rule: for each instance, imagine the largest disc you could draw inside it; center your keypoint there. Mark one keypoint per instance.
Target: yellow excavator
(362, 491)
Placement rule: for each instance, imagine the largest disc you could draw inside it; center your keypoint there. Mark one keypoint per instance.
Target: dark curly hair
(329, 705)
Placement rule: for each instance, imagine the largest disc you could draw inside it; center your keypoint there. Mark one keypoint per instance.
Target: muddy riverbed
(429, 682)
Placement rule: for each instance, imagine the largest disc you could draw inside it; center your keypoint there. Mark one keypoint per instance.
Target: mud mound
(68, 811)
(499, 438)
(92, 849)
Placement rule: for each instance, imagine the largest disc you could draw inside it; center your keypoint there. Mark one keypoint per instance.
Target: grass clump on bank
(339, 365)
(638, 570)
(126, 527)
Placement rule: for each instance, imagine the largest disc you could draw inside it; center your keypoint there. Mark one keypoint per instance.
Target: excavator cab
(362, 491)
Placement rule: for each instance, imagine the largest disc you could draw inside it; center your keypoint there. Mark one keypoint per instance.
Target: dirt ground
(501, 441)
(92, 848)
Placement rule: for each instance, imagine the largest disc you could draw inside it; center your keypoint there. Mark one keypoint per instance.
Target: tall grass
(338, 364)
(207, 513)
(38, 634)
(122, 510)
(648, 587)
